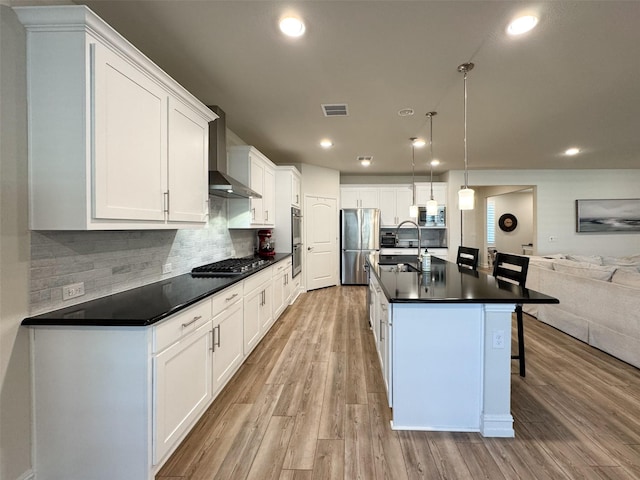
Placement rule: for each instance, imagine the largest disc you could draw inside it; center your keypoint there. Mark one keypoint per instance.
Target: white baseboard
(497, 426)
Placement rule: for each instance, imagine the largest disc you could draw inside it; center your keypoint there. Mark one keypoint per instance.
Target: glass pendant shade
(413, 211)
(466, 199)
(432, 207)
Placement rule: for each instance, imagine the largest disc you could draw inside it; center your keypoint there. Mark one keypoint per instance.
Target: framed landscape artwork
(602, 216)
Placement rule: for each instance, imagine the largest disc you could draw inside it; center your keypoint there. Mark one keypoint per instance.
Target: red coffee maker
(266, 244)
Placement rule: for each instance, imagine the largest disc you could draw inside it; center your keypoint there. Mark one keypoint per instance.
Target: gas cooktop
(230, 266)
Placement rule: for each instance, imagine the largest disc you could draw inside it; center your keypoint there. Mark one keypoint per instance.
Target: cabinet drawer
(282, 266)
(226, 298)
(257, 279)
(181, 324)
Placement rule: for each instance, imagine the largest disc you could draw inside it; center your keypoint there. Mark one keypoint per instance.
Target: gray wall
(110, 262)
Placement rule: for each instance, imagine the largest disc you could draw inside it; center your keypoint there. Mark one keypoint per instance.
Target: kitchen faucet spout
(419, 235)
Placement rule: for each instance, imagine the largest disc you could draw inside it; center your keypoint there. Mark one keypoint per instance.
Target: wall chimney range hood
(221, 184)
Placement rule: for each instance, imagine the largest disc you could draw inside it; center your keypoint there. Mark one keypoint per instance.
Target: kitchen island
(444, 342)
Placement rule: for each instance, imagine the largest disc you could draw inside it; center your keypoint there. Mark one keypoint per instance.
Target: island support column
(496, 420)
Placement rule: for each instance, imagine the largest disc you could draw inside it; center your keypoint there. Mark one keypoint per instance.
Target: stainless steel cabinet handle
(266, 215)
(195, 319)
(253, 214)
(219, 336)
(228, 299)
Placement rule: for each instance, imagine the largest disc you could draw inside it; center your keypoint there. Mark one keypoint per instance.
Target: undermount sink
(399, 267)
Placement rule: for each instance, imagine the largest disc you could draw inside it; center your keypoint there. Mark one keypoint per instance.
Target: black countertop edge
(145, 305)
(449, 285)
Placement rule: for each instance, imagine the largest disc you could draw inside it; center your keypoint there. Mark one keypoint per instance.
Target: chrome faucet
(419, 236)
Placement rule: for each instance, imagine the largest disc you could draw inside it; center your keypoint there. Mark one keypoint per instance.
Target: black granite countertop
(144, 305)
(445, 282)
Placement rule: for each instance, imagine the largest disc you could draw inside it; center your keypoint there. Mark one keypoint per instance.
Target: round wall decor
(508, 222)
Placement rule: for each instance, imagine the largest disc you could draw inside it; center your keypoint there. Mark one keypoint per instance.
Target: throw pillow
(627, 278)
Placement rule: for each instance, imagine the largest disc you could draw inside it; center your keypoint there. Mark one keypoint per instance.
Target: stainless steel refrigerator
(359, 236)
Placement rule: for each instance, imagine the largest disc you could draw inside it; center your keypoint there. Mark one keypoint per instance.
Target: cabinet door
(404, 199)
(269, 196)
(278, 294)
(349, 198)
(256, 182)
(129, 139)
(188, 164)
(182, 388)
(369, 198)
(252, 308)
(295, 191)
(440, 193)
(227, 344)
(387, 198)
(386, 350)
(266, 312)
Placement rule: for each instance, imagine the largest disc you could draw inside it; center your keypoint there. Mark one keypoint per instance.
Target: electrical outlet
(166, 268)
(553, 238)
(498, 339)
(72, 291)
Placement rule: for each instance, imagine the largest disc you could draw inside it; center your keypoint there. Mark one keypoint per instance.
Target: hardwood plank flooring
(309, 404)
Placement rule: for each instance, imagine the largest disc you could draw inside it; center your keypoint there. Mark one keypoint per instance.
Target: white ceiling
(573, 81)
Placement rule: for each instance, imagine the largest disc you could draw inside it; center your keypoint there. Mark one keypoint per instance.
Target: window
(491, 222)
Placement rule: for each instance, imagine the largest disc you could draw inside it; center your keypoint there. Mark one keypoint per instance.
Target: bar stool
(513, 269)
(468, 257)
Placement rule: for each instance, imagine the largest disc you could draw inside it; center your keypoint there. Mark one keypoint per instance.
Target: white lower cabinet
(183, 376)
(258, 314)
(227, 335)
(282, 286)
(381, 326)
(123, 398)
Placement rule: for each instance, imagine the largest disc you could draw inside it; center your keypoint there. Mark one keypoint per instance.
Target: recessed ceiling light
(406, 112)
(326, 143)
(365, 160)
(435, 163)
(418, 142)
(522, 25)
(292, 26)
(572, 151)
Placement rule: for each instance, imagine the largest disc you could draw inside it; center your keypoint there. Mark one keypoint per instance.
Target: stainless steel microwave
(437, 220)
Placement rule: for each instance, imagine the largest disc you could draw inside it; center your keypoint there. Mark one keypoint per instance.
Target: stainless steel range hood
(221, 184)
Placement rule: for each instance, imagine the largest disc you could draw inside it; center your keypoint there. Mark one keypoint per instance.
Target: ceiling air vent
(335, 110)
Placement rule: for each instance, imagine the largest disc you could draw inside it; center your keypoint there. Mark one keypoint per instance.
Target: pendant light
(413, 209)
(466, 194)
(432, 205)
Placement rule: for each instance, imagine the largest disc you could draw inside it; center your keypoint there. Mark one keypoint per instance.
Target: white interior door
(321, 241)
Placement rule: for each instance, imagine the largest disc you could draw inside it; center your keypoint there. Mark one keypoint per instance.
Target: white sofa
(599, 300)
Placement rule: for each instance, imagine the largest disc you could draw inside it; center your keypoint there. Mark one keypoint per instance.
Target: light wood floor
(309, 404)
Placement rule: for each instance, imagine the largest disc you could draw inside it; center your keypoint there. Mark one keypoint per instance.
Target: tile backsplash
(112, 261)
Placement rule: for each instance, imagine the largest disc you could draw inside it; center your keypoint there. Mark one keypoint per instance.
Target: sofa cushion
(586, 270)
(626, 277)
(629, 261)
(594, 259)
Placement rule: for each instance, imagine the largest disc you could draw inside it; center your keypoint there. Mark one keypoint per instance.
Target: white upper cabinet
(249, 166)
(188, 164)
(423, 193)
(114, 142)
(296, 189)
(394, 205)
(359, 197)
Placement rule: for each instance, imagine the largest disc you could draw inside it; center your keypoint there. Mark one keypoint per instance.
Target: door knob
(309, 248)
